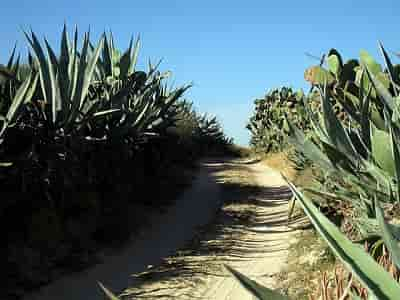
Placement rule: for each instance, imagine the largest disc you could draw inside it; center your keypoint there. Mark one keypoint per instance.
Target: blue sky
(233, 51)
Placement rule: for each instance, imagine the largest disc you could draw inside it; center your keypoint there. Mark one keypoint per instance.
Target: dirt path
(189, 243)
(250, 234)
(269, 232)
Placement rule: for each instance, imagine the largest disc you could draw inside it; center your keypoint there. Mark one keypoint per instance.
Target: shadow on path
(169, 231)
(243, 230)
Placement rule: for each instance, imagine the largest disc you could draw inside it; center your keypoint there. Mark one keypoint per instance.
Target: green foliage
(373, 276)
(82, 126)
(202, 133)
(268, 126)
(358, 160)
(359, 156)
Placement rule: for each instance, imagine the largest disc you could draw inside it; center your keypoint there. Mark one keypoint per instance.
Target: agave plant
(361, 156)
(209, 132)
(74, 123)
(360, 160)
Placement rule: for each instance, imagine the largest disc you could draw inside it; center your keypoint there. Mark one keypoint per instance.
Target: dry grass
(309, 259)
(280, 162)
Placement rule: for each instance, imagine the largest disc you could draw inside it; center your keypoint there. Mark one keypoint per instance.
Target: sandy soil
(234, 213)
(269, 232)
(250, 233)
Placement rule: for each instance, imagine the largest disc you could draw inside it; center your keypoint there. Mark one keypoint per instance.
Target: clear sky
(233, 51)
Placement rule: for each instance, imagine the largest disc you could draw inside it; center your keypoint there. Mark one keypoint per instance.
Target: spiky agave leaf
(354, 257)
(23, 94)
(254, 288)
(67, 78)
(110, 295)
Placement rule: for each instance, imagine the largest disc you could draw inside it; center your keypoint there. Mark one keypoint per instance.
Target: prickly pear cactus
(268, 125)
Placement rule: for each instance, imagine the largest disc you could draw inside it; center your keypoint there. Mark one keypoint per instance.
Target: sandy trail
(249, 234)
(271, 233)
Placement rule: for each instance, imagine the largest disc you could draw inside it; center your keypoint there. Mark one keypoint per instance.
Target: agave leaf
(153, 70)
(384, 79)
(373, 114)
(365, 121)
(370, 273)
(382, 151)
(105, 112)
(63, 71)
(79, 92)
(85, 73)
(309, 149)
(383, 93)
(173, 97)
(338, 159)
(52, 56)
(31, 61)
(377, 185)
(53, 67)
(45, 76)
(337, 134)
(141, 117)
(11, 59)
(396, 155)
(107, 57)
(16, 67)
(292, 205)
(73, 68)
(108, 293)
(316, 125)
(388, 238)
(125, 61)
(382, 178)
(389, 67)
(394, 231)
(363, 83)
(18, 100)
(32, 89)
(90, 69)
(334, 65)
(254, 288)
(369, 61)
(78, 71)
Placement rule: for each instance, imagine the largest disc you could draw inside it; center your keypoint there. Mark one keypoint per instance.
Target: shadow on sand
(236, 233)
